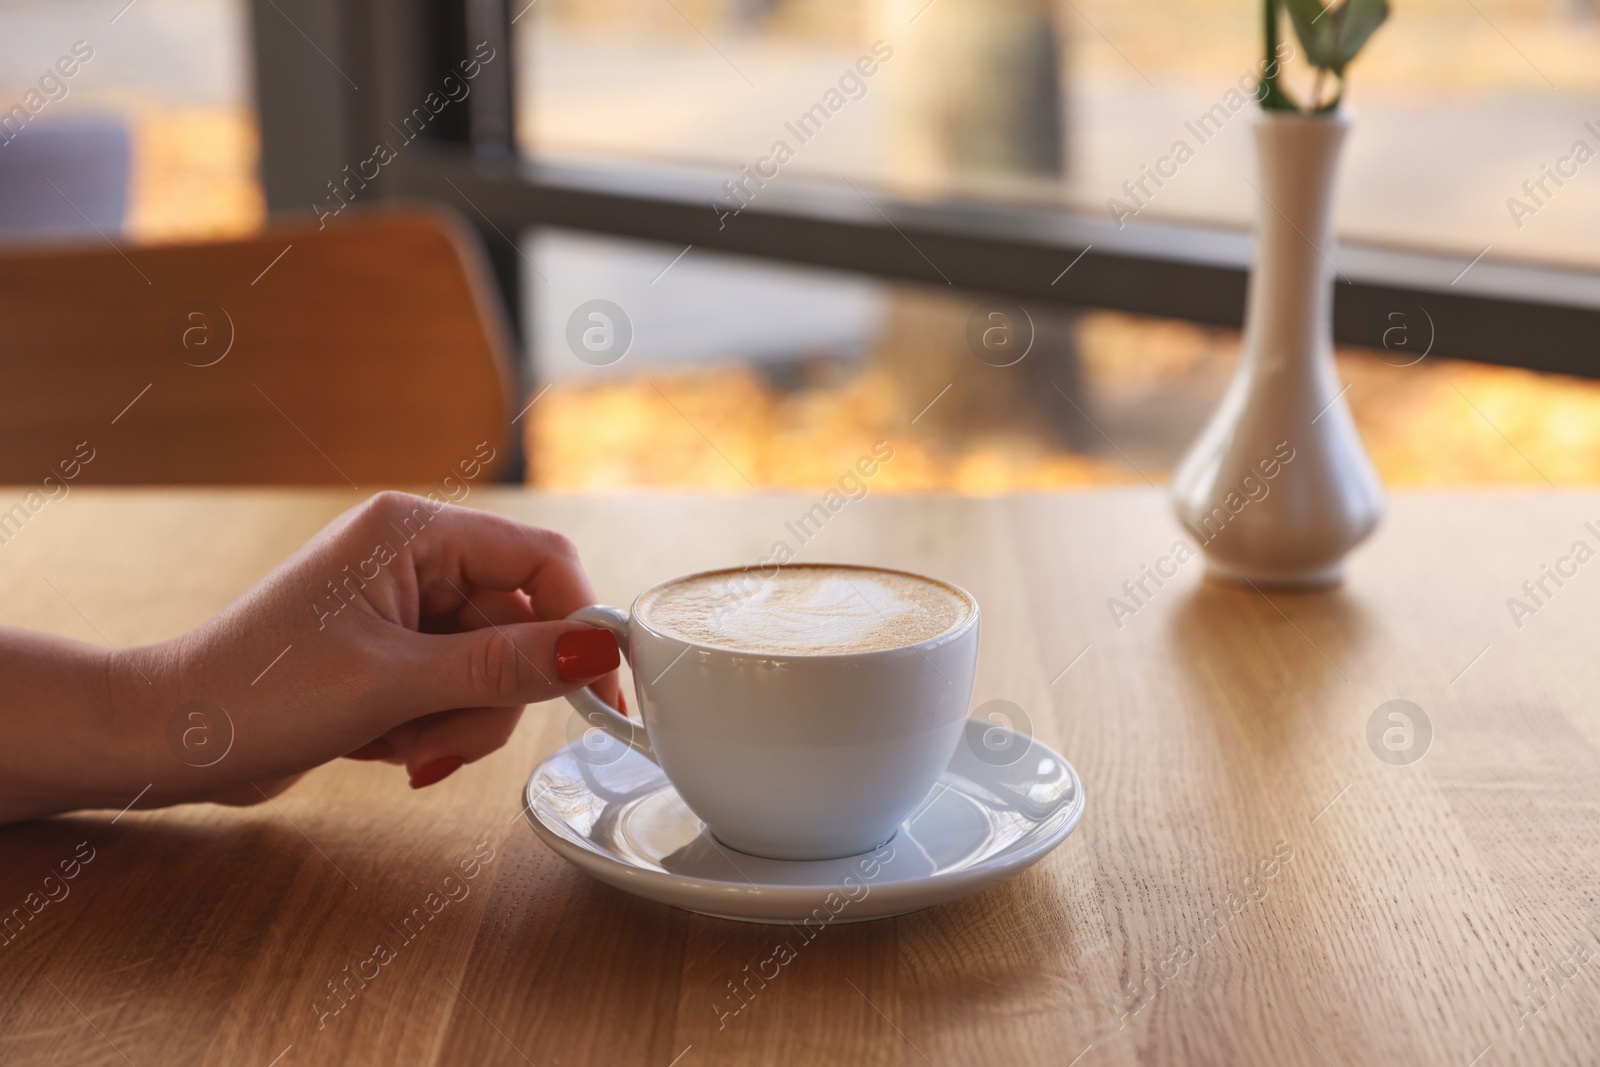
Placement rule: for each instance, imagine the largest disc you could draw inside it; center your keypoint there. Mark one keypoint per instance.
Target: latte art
(815, 610)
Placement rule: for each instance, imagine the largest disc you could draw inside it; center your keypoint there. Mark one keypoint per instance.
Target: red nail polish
(437, 771)
(379, 749)
(586, 654)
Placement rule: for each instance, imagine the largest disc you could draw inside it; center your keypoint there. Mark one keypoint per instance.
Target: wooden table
(1408, 908)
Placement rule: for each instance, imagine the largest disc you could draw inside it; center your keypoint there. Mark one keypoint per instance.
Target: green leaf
(1358, 20)
(1332, 36)
(1274, 99)
(1318, 30)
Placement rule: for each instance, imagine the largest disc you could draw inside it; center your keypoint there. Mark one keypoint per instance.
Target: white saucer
(611, 812)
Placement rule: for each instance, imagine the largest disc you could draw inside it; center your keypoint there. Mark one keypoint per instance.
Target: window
(152, 134)
(717, 372)
(1062, 103)
(976, 161)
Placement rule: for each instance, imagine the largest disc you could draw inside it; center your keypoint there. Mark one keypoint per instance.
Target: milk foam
(818, 610)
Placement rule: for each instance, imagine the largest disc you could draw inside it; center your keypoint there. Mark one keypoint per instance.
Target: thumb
(503, 666)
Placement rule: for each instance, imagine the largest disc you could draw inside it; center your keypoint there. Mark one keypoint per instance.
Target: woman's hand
(405, 631)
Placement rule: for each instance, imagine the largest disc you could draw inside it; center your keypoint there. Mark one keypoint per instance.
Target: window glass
(1458, 105)
(139, 113)
(662, 368)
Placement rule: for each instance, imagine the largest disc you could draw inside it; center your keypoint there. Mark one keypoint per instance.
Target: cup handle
(590, 708)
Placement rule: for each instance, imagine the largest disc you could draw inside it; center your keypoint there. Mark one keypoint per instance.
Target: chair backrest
(371, 352)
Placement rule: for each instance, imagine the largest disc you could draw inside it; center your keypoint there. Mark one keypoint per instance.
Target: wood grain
(1216, 729)
(371, 351)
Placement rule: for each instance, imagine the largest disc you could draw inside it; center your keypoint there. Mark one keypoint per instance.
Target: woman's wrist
(78, 731)
(140, 694)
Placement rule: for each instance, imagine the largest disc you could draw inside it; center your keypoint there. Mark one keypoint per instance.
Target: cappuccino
(805, 609)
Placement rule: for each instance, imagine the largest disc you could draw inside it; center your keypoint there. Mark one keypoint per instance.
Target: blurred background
(748, 372)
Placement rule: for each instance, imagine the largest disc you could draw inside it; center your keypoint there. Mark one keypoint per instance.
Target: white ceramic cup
(794, 757)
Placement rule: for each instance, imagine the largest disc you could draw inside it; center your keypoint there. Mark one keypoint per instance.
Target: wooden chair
(372, 352)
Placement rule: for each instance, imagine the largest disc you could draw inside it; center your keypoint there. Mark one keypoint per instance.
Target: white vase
(1278, 488)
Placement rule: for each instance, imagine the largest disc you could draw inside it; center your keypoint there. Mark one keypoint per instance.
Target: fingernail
(586, 654)
(437, 771)
(379, 749)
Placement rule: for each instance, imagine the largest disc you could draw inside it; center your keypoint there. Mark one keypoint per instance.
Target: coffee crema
(805, 609)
